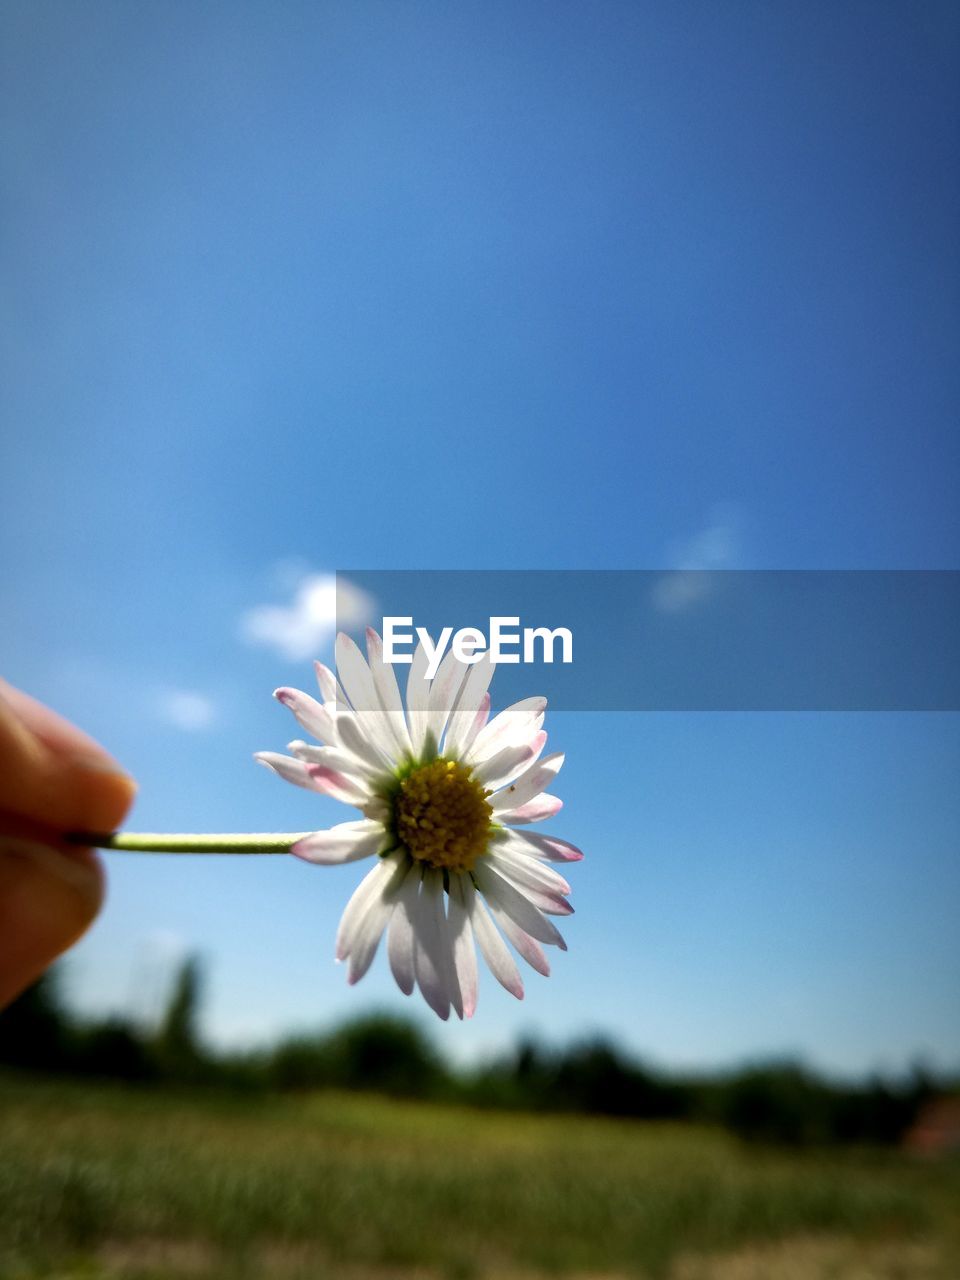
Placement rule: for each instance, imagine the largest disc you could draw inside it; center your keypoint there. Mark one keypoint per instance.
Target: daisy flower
(446, 795)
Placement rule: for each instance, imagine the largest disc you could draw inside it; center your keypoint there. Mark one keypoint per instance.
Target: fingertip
(104, 793)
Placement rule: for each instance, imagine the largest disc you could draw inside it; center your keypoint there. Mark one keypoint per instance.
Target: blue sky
(294, 287)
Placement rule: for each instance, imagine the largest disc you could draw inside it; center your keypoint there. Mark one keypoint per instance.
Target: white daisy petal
(378, 808)
(453, 984)
(479, 720)
(516, 724)
(354, 740)
(400, 939)
(536, 810)
(359, 687)
(370, 888)
(475, 685)
(501, 769)
(447, 961)
(347, 842)
(428, 959)
(445, 954)
(499, 893)
(290, 770)
(524, 869)
(530, 783)
(444, 692)
(328, 683)
(385, 683)
(339, 786)
(418, 700)
(335, 758)
(550, 904)
(528, 947)
(367, 938)
(538, 846)
(311, 714)
(464, 952)
(492, 947)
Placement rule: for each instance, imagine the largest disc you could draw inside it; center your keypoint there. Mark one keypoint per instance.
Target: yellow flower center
(442, 816)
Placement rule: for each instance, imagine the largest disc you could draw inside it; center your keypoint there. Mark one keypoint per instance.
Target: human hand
(53, 779)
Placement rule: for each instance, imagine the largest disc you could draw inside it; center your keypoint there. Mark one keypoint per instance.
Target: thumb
(53, 778)
(48, 898)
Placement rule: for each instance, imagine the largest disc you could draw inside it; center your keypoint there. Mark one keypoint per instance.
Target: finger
(58, 733)
(53, 778)
(48, 898)
(54, 773)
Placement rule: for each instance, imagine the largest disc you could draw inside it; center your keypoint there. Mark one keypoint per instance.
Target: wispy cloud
(185, 709)
(304, 627)
(716, 546)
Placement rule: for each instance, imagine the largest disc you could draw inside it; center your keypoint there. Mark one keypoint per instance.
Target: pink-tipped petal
(347, 842)
(529, 784)
(492, 947)
(500, 893)
(528, 947)
(311, 715)
(512, 726)
(502, 768)
(290, 770)
(370, 889)
(334, 758)
(464, 952)
(528, 873)
(550, 847)
(536, 810)
(338, 785)
(367, 938)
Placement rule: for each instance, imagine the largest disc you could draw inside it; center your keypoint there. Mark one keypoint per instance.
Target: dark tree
(34, 1030)
(178, 1049)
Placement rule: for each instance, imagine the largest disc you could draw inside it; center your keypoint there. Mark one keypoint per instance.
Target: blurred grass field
(102, 1181)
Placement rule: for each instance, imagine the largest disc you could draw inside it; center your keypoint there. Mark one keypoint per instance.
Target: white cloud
(186, 710)
(322, 602)
(717, 546)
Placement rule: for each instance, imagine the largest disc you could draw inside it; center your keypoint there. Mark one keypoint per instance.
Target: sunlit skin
(53, 779)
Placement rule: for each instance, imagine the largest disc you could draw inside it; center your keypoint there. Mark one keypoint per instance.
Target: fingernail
(96, 763)
(103, 792)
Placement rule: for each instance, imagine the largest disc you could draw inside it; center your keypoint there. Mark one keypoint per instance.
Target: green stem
(152, 842)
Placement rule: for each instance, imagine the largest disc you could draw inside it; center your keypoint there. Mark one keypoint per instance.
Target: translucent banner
(637, 640)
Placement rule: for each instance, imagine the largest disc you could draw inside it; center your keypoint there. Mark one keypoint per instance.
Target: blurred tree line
(775, 1102)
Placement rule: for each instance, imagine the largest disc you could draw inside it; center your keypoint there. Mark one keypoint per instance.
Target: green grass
(105, 1182)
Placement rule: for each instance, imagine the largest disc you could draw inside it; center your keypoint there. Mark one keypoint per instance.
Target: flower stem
(153, 842)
